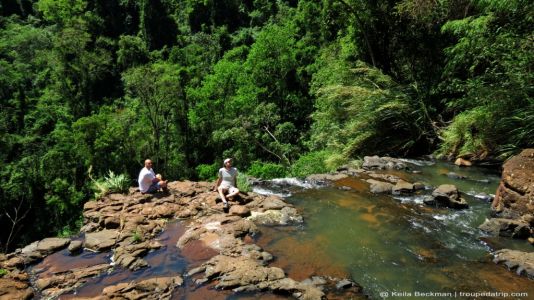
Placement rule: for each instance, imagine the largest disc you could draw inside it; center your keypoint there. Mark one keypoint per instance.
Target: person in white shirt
(227, 182)
(149, 182)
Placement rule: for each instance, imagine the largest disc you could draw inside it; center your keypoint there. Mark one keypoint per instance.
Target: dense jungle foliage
(285, 87)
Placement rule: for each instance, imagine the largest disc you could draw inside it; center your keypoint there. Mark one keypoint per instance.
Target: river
(397, 245)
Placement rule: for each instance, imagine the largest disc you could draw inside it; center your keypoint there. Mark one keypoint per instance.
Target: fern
(112, 183)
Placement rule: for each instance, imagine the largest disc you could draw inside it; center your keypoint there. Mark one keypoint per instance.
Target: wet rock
(382, 163)
(455, 176)
(402, 187)
(385, 177)
(325, 178)
(462, 162)
(344, 283)
(429, 200)
(153, 288)
(521, 262)
(63, 282)
(130, 256)
(244, 274)
(379, 187)
(75, 246)
(418, 186)
(484, 197)
(14, 289)
(515, 194)
(101, 240)
(239, 210)
(506, 228)
(447, 195)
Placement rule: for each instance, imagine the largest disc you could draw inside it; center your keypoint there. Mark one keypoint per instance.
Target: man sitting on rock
(227, 182)
(149, 182)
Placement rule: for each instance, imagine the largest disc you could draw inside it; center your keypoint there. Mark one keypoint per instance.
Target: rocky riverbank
(513, 212)
(128, 226)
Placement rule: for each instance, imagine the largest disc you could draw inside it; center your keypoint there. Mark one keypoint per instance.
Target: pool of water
(396, 244)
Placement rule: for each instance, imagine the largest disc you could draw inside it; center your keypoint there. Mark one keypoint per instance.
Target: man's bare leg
(221, 193)
(234, 192)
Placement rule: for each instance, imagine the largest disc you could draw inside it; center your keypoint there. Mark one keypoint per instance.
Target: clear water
(396, 244)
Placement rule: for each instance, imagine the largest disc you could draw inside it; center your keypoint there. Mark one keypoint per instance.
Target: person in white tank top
(227, 182)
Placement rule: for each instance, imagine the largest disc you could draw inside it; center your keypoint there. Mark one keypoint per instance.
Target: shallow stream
(397, 245)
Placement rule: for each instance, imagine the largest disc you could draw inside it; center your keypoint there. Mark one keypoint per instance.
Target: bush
(310, 163)
(3, 272)
(111, 184)
(263, 170)
(243, 183)
(207, 172)
(468, 134)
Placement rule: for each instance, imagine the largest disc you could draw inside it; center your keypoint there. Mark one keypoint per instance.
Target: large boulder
(506, 228)
(402, 187)
(515, 194)
(447, 195)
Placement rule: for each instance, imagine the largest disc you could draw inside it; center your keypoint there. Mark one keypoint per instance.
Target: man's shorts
(154, 187)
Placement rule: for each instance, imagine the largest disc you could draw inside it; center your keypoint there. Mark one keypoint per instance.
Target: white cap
(227, 160)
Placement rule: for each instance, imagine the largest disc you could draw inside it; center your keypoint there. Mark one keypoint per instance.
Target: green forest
(286, 88)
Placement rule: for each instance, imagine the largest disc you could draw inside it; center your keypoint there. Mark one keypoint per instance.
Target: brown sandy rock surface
(521, 262)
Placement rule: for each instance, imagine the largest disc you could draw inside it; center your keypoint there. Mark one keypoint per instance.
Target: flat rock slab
(521, 262)
(153, 288)
(14, 289)
(42, 248)
(101, 240)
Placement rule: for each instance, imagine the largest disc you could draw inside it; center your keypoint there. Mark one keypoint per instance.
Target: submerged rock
(379, 187)
(285, 216)
(245, 274)
(521, 262)
(447, 195)
(153, 288)
(64, 282)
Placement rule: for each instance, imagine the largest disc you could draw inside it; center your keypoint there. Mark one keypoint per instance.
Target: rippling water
(397, 244)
